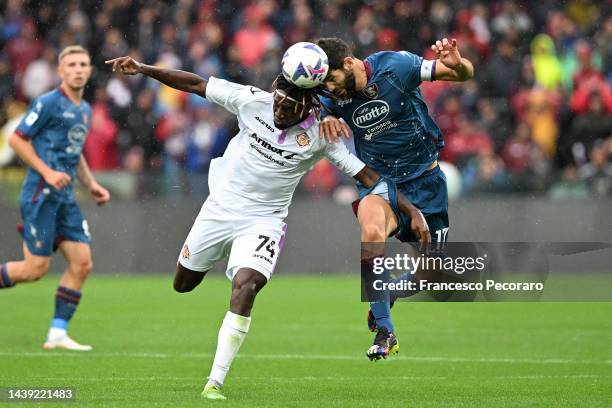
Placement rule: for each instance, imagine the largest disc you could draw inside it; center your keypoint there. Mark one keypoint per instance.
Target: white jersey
(263, 165)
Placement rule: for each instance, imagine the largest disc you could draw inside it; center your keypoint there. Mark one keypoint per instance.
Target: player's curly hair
(336, 50)
(305, 99)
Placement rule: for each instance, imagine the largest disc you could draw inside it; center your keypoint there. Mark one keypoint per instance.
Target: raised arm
(450, 66)
(174, 78)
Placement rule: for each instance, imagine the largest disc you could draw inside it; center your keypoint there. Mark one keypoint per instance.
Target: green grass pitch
(154, 347)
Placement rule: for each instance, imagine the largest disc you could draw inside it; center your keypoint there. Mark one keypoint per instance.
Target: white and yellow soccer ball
(305, 64)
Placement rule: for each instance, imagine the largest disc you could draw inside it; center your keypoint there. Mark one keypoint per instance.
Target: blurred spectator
(467, 36)
(24, 48)
(569, 186)
(40, 75)
(204, 62)
(592, 82)
(580, 64)
(206, 140)
(255, 38)
(500, 76)
(302, 27)
(322, 179)
(141, 124)
(588, 129)
(539, 106)
(405, 22)
(526, 164)
(114, 45)
(546, 65)
(583, 12)
(511, 18)
(494, 120)
(440, 17)
(450, 114)
(597, 173)
(541, 115)
(7, 87)
(101, 144)
(365, 30)
(603, 42)
(334, 22)
(466, 142)
(484, 173)
(145, 31)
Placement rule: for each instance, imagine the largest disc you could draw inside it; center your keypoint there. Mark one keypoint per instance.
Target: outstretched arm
(418, 224)
(450, 66)
(174, 78)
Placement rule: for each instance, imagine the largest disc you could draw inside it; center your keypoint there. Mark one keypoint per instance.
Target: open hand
(447, 52)
(332, 127)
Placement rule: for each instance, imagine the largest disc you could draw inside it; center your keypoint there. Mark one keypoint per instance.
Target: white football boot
(59, 339)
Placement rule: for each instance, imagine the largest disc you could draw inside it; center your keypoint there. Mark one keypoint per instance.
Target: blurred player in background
(251, 188)
(50, 140)
(380, 100)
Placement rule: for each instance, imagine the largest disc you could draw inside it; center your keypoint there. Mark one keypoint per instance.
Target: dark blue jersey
(393, 131)
(57, 128)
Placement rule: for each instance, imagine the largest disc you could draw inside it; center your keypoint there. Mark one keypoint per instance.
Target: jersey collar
(368, 69)
(308, 122)
(63, 92)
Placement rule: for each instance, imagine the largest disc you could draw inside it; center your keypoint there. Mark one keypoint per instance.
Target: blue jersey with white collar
(393, 131)
(57, 128)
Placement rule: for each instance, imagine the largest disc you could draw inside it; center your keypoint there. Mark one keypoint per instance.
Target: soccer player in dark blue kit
(380, 100)
(50, 140)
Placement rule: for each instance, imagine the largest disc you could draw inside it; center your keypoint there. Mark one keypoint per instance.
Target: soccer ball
(305, 65)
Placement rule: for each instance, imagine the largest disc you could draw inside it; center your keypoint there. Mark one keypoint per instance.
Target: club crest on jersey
(185, 253)
(302, 140)
(85, 118)
(76, 137)
(371, 91)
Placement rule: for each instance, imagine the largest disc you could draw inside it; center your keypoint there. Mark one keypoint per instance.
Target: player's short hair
(336, 50)
(72, 49)
(304, 99)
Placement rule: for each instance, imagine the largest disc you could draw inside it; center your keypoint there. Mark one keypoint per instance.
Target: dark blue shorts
(428, 193)
(49, 220)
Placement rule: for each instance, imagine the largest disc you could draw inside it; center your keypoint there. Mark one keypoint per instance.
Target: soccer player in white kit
(251, 188)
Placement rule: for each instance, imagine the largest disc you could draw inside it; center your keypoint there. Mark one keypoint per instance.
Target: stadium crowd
(536, 117)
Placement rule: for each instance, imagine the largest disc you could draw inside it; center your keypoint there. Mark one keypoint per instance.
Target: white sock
(231, 335)
(55, 333)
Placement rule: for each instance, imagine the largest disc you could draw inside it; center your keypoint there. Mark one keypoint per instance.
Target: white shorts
(250, 242)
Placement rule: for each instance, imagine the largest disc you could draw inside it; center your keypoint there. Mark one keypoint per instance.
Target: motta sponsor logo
(370, 113)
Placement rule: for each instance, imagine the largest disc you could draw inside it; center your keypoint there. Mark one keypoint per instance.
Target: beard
(348, 86)
(350, 83)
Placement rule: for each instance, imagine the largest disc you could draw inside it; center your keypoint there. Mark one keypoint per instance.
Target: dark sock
(5, 281)
(66, 302)
(379, 300)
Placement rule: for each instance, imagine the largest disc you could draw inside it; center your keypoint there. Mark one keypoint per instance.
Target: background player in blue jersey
(50, 140)
(380, 100)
